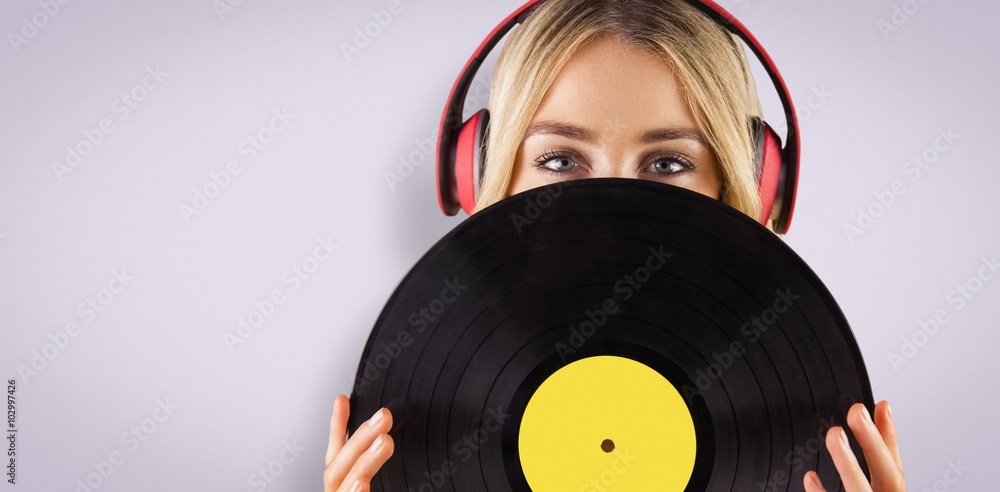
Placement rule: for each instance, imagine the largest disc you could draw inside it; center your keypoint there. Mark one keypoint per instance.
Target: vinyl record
(609, 334)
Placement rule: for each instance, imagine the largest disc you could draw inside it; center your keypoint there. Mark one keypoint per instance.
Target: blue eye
(555, 163)
(670, 164)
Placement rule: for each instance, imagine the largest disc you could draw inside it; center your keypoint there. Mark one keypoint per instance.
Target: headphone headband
(451, 120)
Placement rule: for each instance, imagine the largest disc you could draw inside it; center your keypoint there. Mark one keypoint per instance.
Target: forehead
(611, 86)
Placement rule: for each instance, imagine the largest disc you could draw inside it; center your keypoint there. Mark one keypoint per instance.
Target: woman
(639, 89)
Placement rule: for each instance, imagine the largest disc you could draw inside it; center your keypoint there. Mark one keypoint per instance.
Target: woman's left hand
(878, 440)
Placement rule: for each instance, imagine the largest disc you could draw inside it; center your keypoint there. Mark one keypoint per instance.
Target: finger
(338, 427)
(812, 483)
(887, 427)
(379, 423)
(360, 477)
(851, 476)
(357, 486)
(886, 475)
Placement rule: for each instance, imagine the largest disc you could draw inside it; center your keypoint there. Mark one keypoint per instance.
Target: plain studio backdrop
(166, 169)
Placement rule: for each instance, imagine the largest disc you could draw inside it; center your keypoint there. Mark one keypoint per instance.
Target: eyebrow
(578, 133)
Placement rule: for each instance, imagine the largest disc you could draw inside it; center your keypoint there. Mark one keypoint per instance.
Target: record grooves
(503, 353)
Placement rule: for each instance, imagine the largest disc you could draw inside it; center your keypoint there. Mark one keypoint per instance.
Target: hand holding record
(617, 332)
(351, 463)
(878, 440)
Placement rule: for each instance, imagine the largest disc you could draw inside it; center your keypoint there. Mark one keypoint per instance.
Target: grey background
(323, 176)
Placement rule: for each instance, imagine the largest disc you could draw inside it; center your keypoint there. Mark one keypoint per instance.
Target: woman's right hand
(351, 463)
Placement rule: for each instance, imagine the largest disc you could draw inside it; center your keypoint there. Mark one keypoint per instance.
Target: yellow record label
(606, 423)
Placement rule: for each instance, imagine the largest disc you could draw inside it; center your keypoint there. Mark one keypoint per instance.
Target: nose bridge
(614, 152)
(614, 167)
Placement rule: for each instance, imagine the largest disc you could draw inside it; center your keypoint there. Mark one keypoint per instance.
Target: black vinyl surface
(490, 311)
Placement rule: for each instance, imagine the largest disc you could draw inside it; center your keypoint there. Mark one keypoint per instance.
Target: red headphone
(461, 146)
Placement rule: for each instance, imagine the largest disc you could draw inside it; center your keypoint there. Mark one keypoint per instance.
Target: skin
(616, 111)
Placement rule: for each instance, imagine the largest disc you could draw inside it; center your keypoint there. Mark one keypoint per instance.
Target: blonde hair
(707, 59)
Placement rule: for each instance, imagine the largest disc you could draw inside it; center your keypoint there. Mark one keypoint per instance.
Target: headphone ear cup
(469, 158)
(769, 161)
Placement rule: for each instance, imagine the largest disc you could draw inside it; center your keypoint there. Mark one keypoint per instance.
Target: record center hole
(608, 445)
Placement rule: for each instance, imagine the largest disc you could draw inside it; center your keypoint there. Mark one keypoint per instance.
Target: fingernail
(376, 418)
(814, 481)
(843, 438)
(865, 415)
(357, 486)
(888, 412)
(376, 445)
